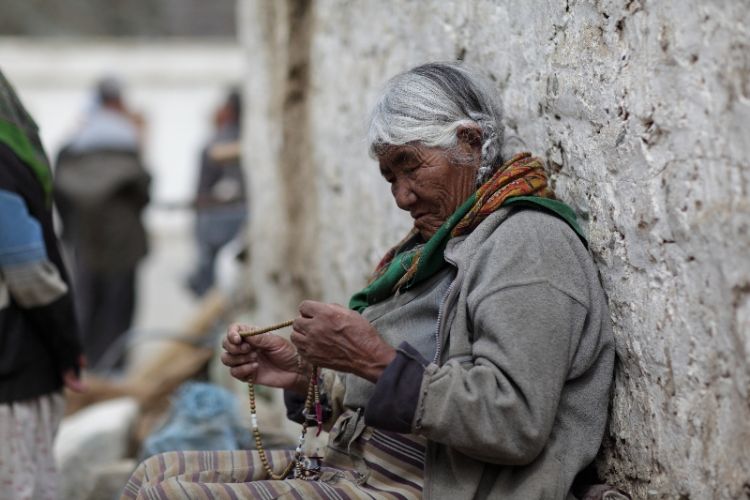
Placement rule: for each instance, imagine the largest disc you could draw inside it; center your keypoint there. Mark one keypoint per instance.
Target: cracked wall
(641, 109)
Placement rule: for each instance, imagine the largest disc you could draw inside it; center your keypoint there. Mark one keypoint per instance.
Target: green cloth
(432, 255)
(20, 133)
(556, 207)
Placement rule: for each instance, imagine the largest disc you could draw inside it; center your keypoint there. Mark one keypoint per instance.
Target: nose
(403, 194)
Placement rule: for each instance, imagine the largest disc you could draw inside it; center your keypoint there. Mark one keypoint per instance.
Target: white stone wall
(641, 109)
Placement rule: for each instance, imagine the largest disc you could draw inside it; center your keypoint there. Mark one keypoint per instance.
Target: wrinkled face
(426, 183)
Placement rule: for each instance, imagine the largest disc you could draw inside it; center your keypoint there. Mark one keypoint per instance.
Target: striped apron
(360, 462)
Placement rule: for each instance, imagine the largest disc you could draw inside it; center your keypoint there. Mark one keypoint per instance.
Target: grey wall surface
(118, 18)
(641, 109)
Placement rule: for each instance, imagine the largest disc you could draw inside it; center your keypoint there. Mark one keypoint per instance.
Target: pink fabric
(27, 434)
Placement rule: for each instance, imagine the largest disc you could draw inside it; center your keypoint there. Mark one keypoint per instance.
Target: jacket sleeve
(500, 406)
(394, 400)
(520, 315)
(34, 281)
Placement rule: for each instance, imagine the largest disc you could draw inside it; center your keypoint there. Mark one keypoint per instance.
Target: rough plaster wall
(276, 154)
(641, 109)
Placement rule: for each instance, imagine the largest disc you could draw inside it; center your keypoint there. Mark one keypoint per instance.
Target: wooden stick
(254, 332)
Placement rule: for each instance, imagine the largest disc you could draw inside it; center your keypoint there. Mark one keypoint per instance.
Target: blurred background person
(39, 347)
(101, 189)
(178, 61)
(221, 199)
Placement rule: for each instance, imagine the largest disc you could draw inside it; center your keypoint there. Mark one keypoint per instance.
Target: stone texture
(641, 109)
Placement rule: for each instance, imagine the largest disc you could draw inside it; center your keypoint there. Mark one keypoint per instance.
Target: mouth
(423, 225)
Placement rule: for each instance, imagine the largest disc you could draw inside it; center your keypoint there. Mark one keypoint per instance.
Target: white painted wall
(642, 110)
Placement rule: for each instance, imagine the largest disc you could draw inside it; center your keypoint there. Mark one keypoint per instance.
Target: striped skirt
(375, 464)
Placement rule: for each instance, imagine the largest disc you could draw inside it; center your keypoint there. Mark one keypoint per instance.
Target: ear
(470, 139)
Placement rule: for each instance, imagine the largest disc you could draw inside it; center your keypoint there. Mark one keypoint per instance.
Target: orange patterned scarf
(522, 175)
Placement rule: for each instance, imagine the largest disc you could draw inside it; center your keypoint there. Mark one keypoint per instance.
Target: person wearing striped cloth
(477, 362)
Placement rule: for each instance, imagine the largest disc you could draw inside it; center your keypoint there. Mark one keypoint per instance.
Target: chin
(426, 233)
(425, 230)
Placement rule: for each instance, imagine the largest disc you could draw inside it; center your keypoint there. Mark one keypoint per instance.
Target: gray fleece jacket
(514, 404)
(505, 362)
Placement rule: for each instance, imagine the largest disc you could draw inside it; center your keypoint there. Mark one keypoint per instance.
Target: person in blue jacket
(39, 348)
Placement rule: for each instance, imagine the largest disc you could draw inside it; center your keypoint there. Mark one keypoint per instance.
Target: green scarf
(21, 134)
(520, 181)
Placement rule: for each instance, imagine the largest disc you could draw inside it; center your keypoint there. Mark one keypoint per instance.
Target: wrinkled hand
(271, 360)
(332, 336)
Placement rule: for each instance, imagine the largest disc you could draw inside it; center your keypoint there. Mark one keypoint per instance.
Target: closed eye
(387, 175)
(402, 162)
(401, 159)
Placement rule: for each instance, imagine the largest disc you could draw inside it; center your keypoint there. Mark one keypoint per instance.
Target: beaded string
(312, 398)
(259, 331)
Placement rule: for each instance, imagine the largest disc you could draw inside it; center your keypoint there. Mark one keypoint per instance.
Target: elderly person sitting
(478, 361)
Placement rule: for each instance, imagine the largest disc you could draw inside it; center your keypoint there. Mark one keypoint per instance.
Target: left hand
(72, 380)
(332, 336)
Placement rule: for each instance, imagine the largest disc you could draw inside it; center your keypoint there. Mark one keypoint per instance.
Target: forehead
(394, 154)
(389, 150)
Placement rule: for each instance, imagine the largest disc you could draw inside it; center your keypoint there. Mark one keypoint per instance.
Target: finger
(303, 325)
(308, 308)
(236, 360)
(235, 348)
(299, 340)
(244, 372)
(233, 334)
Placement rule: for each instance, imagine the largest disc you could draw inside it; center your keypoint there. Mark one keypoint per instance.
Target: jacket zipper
(429, 451)
(441, 311)
(438, 345)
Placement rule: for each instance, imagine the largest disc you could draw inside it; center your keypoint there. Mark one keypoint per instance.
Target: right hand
(271, 360)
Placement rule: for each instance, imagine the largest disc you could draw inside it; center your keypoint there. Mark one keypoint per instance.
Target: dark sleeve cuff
(57, 323)
(295, 406)
(394, 402)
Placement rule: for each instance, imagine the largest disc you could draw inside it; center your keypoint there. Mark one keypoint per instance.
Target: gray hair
(427, 105)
